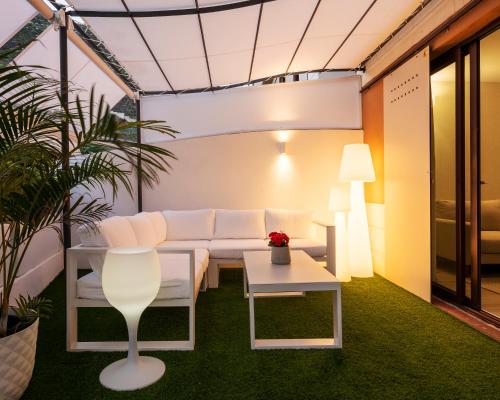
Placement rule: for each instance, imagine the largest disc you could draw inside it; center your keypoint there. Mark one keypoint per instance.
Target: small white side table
(302, 275)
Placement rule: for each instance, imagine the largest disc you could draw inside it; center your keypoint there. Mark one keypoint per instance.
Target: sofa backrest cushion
(159, 224)
(110, 232)
(144, 230)
(490, 215)
(118, 232)
(190, 224)
(295, 223)
(239, 224)
(490, 212)
(445, 209)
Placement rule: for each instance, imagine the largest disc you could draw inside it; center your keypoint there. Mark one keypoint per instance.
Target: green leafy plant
(36, 180)
(28, 309)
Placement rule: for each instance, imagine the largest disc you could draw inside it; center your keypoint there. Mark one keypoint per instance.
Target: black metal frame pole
(139, 160)
(63, 70)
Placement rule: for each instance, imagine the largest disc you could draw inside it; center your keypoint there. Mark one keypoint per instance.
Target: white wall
(333, 103)
(247, 171)
(407, 176)
(42, 263)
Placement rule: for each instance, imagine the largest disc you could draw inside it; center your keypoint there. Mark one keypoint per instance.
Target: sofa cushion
(159, 224)
(144, 230)
(174, 278)
(118, 232)
(111, 232)
(201, 247)
(490, 242)
(239, 224)
(445, 209)
(190, 224)
(295, 223)
(92, 237)
(490, 215)
(310, 246)
(234, 248)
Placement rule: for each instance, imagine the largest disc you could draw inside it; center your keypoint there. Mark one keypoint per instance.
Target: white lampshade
(131, 278)
(356, 164)
(340, 199)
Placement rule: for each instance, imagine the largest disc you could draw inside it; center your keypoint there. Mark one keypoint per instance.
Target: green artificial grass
(396, 346)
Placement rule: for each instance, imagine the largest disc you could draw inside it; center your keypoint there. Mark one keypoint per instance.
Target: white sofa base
(73, 303)
(216, 264)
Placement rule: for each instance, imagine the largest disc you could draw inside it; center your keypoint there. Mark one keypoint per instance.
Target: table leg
(252, 320)
(337, 318)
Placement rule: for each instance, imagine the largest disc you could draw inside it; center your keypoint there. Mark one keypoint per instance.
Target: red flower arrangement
(278, 239)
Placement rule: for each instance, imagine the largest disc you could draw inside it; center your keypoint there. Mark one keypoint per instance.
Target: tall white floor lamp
(356, 167)
(131, 279)
(340, 205)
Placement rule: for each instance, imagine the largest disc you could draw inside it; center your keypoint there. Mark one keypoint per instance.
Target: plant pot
(17, 355)
(280, 255)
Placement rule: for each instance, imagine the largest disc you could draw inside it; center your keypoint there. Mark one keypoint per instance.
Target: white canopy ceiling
(181, 45)
(83, 73)
(13, 17)
(288, 106)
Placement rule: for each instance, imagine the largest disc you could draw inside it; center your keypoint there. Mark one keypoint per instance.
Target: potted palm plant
(36, 183)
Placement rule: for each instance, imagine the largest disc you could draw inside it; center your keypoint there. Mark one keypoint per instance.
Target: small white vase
(280, 255)
(17, 355)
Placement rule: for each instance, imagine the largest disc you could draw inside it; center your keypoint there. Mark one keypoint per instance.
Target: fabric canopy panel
(15, 14)
(83, 73)
(321, 104)
(185, 45)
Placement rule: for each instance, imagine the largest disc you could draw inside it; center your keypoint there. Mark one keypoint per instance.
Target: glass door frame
(457, 55)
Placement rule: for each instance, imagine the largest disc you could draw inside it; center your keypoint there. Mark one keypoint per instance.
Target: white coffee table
(302, 275)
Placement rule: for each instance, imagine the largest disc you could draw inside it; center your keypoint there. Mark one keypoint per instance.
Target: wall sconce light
(282, 147)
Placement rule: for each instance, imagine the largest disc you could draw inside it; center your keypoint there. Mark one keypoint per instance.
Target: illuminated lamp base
(342, 260)
(359, 251)
(125, 375)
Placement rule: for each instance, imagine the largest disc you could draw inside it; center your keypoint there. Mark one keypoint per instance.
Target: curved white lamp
(340, 204)
(131, 279)
(356, 167)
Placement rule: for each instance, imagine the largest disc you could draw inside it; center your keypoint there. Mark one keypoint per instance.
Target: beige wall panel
(407, 181)
(376, 222)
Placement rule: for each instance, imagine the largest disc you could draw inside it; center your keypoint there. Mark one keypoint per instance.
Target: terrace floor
(396, 346)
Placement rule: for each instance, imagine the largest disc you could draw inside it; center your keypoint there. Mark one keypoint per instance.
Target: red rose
(278, 239)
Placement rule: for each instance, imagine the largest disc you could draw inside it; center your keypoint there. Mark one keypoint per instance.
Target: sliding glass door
(465, 145)
(489, 172)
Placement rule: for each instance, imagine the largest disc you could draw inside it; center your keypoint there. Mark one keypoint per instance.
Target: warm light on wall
(283, 136)
(357, 167)
(284, 164)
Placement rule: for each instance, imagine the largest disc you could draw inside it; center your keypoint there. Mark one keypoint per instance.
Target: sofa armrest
(330, 245)
(72, 264)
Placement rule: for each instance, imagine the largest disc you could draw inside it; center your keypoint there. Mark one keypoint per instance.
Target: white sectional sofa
(193, 246)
